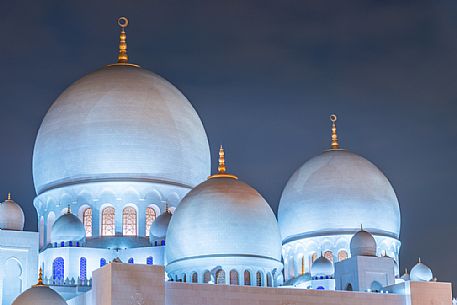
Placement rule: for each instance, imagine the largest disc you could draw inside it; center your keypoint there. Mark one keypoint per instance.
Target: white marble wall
(18, 263)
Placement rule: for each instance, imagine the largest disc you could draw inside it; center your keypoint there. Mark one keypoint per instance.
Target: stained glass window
(194, 277)
(269, 280)
(258, 278)
(247, 278)
(328, 255)
(102, 262)
(129, 221)
(150, 217)
(58, 269)
(233, 277)
(82, 268)
(342, 255)
(87, 221)
(206, 277)
(108, 222)
(149, 260)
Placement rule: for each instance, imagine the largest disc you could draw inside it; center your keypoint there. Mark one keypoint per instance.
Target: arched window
(87, 221)
(234, 277)
(149, 260)
(58, 270)
(328, 255)
(82, 268)
(130, 261)
(12, 283)
(184, 277)
(150, 217)
(41, 230)
(102, 262)
(247, 278)
(342, 255)
(313, 257)
(220, 277)
(194, 277)
(258, 278)
(269, 280)
(108, 222)
(206, 277)
(129, 221)
(49, 223)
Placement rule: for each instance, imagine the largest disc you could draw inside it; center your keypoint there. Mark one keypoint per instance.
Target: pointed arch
(129, 221)
(108, 221)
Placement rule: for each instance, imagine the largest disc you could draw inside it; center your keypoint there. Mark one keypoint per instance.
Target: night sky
(264, 77)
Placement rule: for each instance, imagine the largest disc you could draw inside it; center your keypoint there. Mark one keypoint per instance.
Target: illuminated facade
(129, 214)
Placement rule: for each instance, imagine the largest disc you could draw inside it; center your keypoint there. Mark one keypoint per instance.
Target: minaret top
(335, 144)
(40, 278)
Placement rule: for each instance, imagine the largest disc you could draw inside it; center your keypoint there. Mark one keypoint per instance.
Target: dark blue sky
(264, 77)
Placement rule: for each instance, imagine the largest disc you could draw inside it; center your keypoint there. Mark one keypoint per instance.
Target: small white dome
(421, 273)
(11, 215)
(322, 267)
(405, 276)
(68, 228)
(159, 227)
(39, 295)
(363, 244)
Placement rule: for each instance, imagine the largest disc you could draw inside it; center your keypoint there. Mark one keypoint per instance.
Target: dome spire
(9, 196)
(221, 169)
(40, 278)
(335, 144)
(68, 209)
(123, 58)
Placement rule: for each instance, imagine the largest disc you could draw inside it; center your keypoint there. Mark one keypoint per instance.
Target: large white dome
(334, 193)
(124, 123)
(223, 218)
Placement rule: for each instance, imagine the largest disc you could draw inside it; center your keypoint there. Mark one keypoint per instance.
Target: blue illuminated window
(58, 269)
(162, 243)
(102, 262)
(70, 243)
(130, 260)
(62, 244)
(149, 260)
(82, 268)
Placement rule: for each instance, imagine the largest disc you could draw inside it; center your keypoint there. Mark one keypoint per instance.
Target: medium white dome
(120, 123)
(39, 295)
(223, 218)
(421, 272)
(363, 244)
(334, 193)
(160, 226)
(322, 267)
(68, 227)
(11, 216)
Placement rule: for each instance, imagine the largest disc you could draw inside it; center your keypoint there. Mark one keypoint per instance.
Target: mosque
(129, 213)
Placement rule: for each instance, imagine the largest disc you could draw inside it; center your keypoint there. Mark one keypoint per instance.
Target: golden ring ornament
(123, 22)
(333, 118)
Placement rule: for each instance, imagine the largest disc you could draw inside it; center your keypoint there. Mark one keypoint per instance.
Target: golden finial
(40, 278)
(68, 209)
(9, 196)
(406, 270)
(419, 260)
(221, 169)
(123, 58)
(335, 144)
